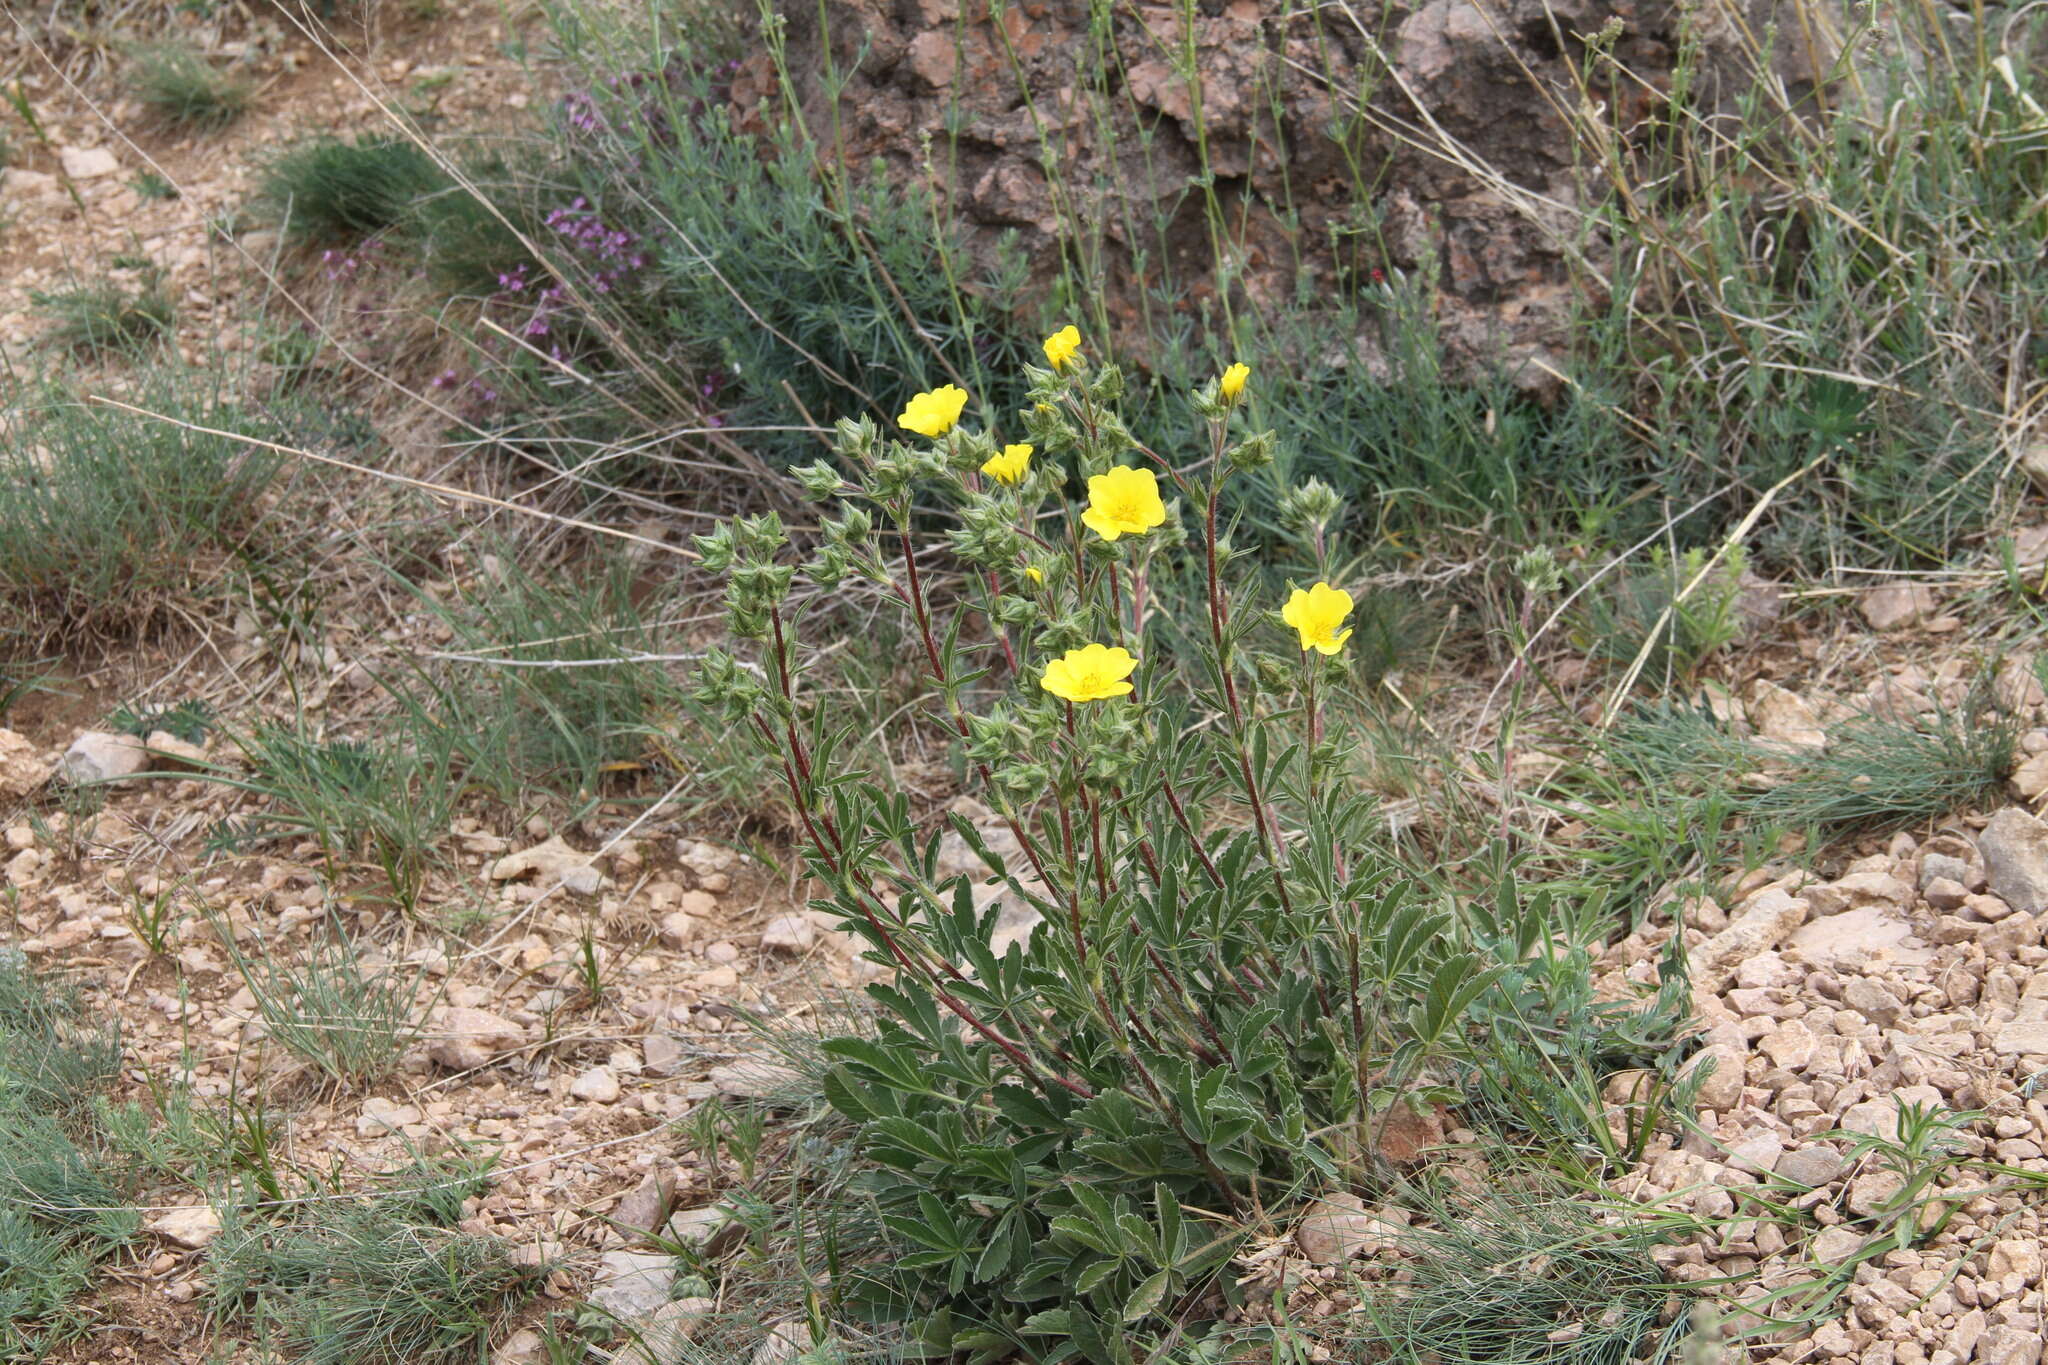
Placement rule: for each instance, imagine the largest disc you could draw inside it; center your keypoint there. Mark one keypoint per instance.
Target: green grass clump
(63, 1213)
(1521, 1277)
(1790, 298)
(1680, 794)
(376, 1280)
(386, 801)
(558, 692)
(351, 1020)
(181, 88)
(1876, 774)
(330, 190)
(472, 234)
(568, 686)
(106, 516)
(109, 319)
(1668, 618)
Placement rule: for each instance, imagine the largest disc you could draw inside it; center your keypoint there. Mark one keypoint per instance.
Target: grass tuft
(1529, 1277)
(330, 1008)
(386, 800)
(181, 88)
(106, 516)
(103, 320)
(62, 1213)
(329, 190)
(380, 1280)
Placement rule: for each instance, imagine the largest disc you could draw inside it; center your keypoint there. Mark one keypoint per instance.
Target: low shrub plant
(1232, 990)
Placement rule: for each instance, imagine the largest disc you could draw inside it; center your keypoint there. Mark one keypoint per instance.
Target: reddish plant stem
(1094, 812)
(834, 855)
(915, 598)
(1180, 817)
(1008, 1046)
(1219, 623)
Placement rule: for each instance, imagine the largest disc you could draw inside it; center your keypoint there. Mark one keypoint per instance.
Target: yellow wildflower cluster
(1123, 501)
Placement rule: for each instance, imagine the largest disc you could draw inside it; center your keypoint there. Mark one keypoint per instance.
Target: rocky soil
(1833, 1010)
(575, 1091)
(71, 194)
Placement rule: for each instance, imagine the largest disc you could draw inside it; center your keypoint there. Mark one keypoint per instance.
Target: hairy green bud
(819, 479)
(1253, 452)
(1309, 506)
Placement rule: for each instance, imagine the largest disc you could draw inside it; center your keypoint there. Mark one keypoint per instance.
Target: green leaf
(1091, 1279)
(1148, 1295)
(847, 1096)
(995, 1257)
(1078, 1229)
(1172, 1228)
(1053, 1322)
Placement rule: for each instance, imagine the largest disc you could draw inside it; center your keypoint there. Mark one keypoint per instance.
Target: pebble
(789, 934)
(597, 1085)
(192, 1227)
(2015, 849)
(632, 1284)
(95, 756)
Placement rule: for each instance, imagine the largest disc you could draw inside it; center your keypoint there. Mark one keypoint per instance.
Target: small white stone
(2019, 1256)
(21, 771)
(632, 1284)
(87, 163)
(381, 1116)
(597, 1085)
(98, 757)
(192, 1226)
(789, 934)
(1871, 1192)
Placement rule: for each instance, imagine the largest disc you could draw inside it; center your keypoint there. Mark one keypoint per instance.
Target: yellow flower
(1123, 502)
(1062, 346)
(1011, 466)
(1089, 673)
(1031, 572)
(1231, 385)
(933, 414)
(1315, 615)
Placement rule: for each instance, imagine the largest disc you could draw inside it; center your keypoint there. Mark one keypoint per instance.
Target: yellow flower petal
(933, 414)
(1231, 385)
(1062, 346)
(1090, 673)
(1123, 502)
(1316, 613)
(1011, 466)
